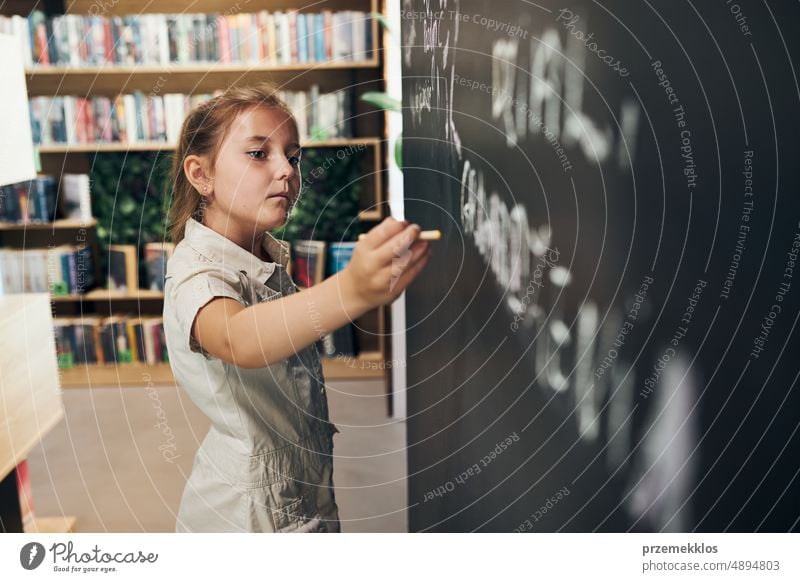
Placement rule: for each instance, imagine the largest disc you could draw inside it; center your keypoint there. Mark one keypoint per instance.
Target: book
(35, 270)
(130, 327)
(10, 205)
(29, 201)
(339, 255)
(302, 37)
(60, 270)
(57, 277)
(123, 269)
(343, 341)
(318, 36)
(42, 199)
(76, 203)
(340, 342)
(81, 269)
(25, 493)
(120, 339)
(162, 39)
(115, 341)
(65, 342)
(11, 271)
(308, 262)
(156, 256)
(85, 335)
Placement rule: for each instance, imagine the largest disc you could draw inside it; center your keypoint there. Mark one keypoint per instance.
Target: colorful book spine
(33, 201)
(161, 39)
(134, 118)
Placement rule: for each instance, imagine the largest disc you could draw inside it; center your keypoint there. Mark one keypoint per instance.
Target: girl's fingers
(411, 272)
(398, 245)
(383, 232)
(406, 260)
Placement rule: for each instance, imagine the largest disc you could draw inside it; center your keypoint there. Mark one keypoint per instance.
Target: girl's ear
(197, 172)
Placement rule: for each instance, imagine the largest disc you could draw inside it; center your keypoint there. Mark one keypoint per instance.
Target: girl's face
(257, 173)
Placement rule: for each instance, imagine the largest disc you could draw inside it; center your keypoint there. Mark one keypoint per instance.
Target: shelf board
(367, 215)
(367, 365)
(108, 295)
(165, 146)
(122, 7)
(65, 524)
(62, 224)
(133, 374)
(126, 71)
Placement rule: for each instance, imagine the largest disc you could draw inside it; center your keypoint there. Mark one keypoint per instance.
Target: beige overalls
(266, 465)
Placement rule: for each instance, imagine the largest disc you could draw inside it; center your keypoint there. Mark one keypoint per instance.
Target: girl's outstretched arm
(383, 264)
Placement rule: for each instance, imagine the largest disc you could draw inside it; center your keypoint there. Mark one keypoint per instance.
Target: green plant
(128, 199)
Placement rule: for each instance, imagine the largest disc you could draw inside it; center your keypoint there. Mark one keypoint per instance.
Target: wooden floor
(119, 460)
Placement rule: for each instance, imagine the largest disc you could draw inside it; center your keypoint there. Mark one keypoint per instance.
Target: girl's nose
(287, 171)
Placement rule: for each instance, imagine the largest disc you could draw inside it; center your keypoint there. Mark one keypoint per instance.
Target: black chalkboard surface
(606, 337)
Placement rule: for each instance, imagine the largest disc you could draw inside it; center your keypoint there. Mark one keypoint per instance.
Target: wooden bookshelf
(109, 80)
(109, 295)
(367, 365)
(373, 213)
(60, 148)
(191, 69)
(179, 80)
(63, 224)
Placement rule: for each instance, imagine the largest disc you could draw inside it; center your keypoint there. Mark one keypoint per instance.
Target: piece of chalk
(423, 235)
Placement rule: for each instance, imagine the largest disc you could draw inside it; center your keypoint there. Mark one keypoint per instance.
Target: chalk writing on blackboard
(440, 85)
(537, 92)
(547, 99)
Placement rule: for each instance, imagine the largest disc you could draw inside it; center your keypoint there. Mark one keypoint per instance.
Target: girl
(239, 334)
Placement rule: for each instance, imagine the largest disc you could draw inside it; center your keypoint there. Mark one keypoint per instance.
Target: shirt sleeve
(191, 289)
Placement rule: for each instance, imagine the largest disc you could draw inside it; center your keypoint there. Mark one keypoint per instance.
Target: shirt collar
(218, 248)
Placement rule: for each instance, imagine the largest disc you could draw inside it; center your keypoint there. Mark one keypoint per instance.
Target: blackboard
(605, 338)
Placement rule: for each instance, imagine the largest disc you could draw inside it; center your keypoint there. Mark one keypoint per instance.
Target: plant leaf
(382, 20)
(398, 152)
(382, 101)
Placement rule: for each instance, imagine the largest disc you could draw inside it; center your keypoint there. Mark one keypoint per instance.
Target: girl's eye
(257, 155)
(294, 160)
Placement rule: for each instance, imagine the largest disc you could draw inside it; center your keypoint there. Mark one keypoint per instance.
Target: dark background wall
(605, 338)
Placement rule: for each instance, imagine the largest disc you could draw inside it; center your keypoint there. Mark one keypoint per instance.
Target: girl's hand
(385, 262)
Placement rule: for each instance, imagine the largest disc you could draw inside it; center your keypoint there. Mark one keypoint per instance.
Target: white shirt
(266, 464)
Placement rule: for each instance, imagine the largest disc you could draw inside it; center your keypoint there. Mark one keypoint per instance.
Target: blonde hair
(202, 134)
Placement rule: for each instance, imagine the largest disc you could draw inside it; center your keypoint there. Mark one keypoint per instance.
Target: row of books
(58, 270)
(31, 201)
(69, 269)
(137, 117)
(37, 200)
(313, 260)
(161, 39)
(310, 261)
(123, 265)
(122, 339)
(93, 339)
(321, 116)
